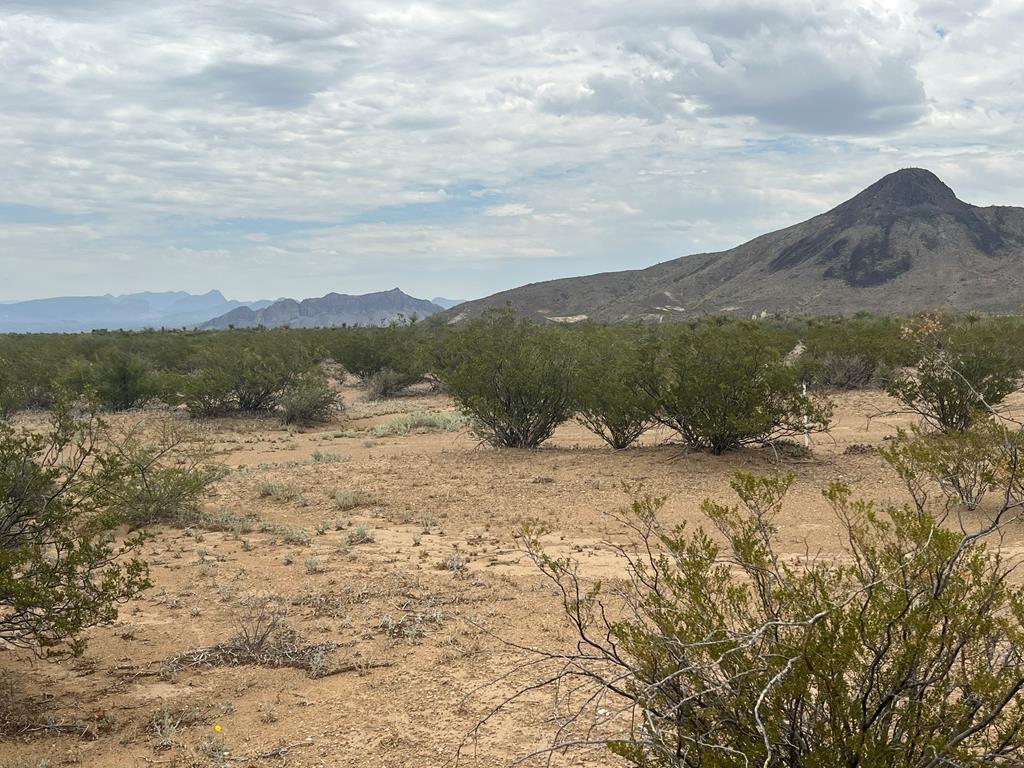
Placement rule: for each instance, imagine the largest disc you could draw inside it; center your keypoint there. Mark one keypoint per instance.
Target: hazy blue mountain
(172, 309)
(331, 310)
(446, 303)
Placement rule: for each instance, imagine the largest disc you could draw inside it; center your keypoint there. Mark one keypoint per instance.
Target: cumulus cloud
(274, 147)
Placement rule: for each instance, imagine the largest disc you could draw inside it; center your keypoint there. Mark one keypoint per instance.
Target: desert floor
(415, 639)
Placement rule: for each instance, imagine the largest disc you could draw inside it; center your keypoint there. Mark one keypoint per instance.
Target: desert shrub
(345, 499)
(514, 379)
(852, 353)
(360, 351)
(907, 652)
(166, 467)
(11, 397)
(123, 380)
(61, 572)
(610, 400)
(722, 388)
(258, 378)
(359, 535)
(119, 380)
(245, 375)
(959, 372)
(207, 393)
(387, 383)
(310, 399)
(387, 359)
(277, 490)
(846, 372)
(965, 466)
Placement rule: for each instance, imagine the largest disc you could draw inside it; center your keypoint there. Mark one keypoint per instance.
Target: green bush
(11, 397)
(360, 351)
(852, 353)
(309, 400)
(959, 372)
(122, 380)
(257, 378)
(905, 653)
(207, 393)
(387, 359)
(514, 379)
(610, 400)
(61, 571)
(164, 469)
(722, 388)
(965, 466)
(244, 371)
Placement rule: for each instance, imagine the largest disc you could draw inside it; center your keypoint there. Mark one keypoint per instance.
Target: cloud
(469, 146)
(509, 209)
(273, 86)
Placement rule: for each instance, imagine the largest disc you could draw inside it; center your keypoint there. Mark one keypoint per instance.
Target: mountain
(333, 309)
(172, 309)
(905, 244)
(446, 303)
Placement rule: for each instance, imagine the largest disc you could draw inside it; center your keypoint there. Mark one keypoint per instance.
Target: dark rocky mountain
(330, 310)
(905, 244)
(173, 309)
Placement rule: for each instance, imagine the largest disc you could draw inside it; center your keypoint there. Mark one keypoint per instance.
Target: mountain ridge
(904, 244)
(332, 309)
(132, 311)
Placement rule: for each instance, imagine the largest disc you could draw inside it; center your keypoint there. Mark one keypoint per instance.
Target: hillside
(904, 244)
(330, 310)
(172, 309)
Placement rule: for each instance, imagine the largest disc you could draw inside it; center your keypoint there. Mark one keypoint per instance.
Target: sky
(291, 148)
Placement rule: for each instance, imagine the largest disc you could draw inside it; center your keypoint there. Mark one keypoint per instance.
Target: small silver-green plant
(345, 499)
(360, 535)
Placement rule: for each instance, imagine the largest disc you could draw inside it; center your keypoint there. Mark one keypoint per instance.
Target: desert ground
(419, 591)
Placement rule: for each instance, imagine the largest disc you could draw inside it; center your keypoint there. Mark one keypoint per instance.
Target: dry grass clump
(278, 491)
(263, 640)
(420, 423)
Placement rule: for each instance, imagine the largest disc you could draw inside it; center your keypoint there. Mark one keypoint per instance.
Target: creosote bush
(722, 388)
(907, 652)
(959, 372)
(166, 468)
(514, 379)
(610, 400)
(61, 570)
(963, 466)
(309, 400)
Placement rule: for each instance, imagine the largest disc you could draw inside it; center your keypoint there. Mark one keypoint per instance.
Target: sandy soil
(415, 640)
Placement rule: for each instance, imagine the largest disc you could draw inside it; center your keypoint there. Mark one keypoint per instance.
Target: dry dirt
(415, 640)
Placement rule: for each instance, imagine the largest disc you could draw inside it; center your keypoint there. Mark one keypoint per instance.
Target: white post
(807, 432)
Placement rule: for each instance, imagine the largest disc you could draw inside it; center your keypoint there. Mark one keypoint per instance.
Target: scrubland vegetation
(708, 645)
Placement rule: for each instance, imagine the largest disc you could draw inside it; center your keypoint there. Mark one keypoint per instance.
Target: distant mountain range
(331, 310)
(905, 244)
(173, 309)
(74, 314)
